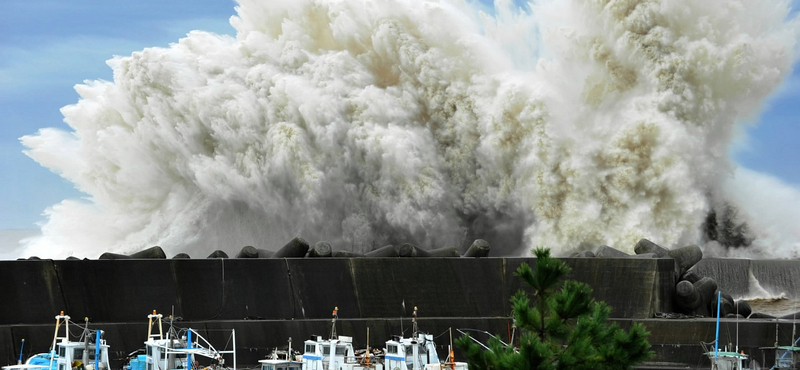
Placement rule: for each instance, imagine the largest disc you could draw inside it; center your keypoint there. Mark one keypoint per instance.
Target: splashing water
(373, 122)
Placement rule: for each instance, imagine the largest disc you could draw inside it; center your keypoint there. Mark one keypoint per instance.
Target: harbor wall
(753, 278)
(307, 288)
(269, 300)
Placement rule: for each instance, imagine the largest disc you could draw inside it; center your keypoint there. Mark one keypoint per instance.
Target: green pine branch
(561, 327)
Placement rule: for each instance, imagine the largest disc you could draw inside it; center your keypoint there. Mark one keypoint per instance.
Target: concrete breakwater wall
(293, 289)
(753, 278)
(269, 300)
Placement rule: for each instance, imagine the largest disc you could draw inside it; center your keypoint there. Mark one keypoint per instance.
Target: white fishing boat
(179, 349)
(89, 352)
(337, 352)
(418, 352)
(281, 360)
(724, 359)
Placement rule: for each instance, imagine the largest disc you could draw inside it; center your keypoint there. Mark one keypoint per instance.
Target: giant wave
(364, 123)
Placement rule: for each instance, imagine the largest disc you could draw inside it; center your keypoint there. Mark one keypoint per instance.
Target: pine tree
(562, 328)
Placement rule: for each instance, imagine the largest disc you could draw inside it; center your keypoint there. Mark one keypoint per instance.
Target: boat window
(62, 351)
(310, 348)
(266, 367)
(341, 350)
(391, 348)
(149, 351)
(326, 350)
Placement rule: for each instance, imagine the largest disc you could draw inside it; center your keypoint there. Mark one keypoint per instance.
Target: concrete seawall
(269, 300)
(293, 289)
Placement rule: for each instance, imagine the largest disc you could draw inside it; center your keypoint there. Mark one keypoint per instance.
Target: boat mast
(716, 341)
(737, 328)
(333, 322)
(367, 352)
(414, 326)
(59, 319)
(150, 320)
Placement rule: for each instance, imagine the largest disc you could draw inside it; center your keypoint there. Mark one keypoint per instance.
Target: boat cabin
(74, 355)
(281, 360)
(319, 354)
(91, 353)
(271, 364)
(411, 353)
(177, 349)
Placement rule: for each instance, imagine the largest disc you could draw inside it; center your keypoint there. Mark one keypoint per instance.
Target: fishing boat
(281, 360)
(418, 352)
(179, 349)
(23, 366)
(724, 359)
(89, 352)
(786, 357)
(336, 352)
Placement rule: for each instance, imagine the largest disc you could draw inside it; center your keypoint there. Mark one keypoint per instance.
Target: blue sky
(47, 47)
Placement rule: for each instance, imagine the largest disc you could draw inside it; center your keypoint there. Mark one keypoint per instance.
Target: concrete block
(686, 257)
(479, 248)
(646, 246)
(295, 248)
(321, 249)
(605, 251)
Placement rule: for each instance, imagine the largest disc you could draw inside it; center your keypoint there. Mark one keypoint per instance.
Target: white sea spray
(566, 124)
